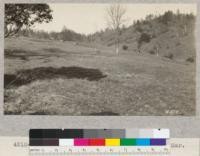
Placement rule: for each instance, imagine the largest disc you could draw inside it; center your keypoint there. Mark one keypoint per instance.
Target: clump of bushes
(169, 56)
(109, 44)
(152, 52)
(190, 59)
(125, 47)
(139, 28)
(145, 38)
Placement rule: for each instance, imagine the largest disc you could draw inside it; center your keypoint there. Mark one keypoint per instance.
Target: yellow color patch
(112, 142)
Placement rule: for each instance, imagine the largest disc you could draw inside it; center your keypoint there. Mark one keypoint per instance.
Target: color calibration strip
(93, 137)
(98, 142)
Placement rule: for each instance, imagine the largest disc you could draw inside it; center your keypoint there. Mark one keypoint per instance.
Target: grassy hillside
(67, 78)
(169, 35)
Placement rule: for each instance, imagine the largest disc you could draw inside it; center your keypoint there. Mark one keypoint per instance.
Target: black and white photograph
(100, 59)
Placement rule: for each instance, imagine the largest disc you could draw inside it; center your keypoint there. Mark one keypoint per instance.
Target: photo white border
(18, 125)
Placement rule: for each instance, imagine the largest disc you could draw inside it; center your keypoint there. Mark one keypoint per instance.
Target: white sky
(87, 18)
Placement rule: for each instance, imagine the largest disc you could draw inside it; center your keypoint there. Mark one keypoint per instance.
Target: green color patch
(127, 142)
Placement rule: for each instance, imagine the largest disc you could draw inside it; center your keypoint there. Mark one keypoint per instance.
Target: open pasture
(47, 77)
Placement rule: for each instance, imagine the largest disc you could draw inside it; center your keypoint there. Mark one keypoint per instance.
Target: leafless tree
(115, 19)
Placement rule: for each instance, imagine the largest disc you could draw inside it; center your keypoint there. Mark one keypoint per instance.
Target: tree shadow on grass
(27, 76)
(17, 54)
(25, 55)
(105, 113)
(54, 50)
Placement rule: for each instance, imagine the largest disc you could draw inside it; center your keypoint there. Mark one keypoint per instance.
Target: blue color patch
(142, 142)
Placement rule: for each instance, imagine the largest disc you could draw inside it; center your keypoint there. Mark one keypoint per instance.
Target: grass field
(64, 78)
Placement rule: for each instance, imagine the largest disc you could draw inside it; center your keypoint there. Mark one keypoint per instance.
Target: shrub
(145, 38)
(138, 28)
(169, 56)
(152, 52)
(109, 44)
(190, 59)
(125, 47)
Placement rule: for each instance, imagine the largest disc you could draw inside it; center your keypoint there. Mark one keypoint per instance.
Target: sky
(87, 18)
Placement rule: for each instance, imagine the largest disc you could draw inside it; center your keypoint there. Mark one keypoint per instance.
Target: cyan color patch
(142, 142)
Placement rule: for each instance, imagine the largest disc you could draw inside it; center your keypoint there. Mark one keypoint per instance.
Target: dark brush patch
(42, 73)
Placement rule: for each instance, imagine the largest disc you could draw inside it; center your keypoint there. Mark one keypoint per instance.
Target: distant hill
(64, 35)
(170, 35)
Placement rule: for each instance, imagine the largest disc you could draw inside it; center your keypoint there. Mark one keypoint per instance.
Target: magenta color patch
(81, 142)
